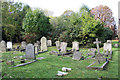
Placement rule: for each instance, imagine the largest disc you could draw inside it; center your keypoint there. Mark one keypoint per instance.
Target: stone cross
(97, 43)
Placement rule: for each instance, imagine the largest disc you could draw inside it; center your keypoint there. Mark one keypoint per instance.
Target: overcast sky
(59, 6)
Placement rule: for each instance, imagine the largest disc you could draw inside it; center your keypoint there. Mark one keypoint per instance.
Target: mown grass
(48, 67)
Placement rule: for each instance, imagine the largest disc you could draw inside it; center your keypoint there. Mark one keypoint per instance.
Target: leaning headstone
(2, 46)
(44, 44)
(9, 45)
(63, 47)
(77, 55)
(49, 43)
(57, 44)
(36, 48)
(30, 52)
(23, 44)
(75, 46)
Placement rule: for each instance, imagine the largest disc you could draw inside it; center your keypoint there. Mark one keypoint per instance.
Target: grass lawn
(48, 67)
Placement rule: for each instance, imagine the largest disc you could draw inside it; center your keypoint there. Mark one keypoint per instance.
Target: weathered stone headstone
(9, 45)
(23, 44)
(38, 42)
(36, 48)
(44, 44)
(97, 43)
(75, 46)
(63, 47)
(2, 46)
(57, 44)
(30, 52)
(49, 43)
(77, 55)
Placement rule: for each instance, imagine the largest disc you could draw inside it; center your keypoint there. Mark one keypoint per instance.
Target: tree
(104, 14)
(12, 16)
(35, 22)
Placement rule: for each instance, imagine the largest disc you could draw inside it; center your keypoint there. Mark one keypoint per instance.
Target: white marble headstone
(9, 45)
(44, 44)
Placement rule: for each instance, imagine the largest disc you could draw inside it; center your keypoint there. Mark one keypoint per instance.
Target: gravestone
(30, 52)
(63, 47)
(9, 45)
(23, 44)
(49, 43)
(99, 58)
(75, 46)
(43, 44)
(92, 52)
(38, 42)
(107, 46)
(97, 43)
(57, 44)
(36, 48)
(2, 46)
(77, 55)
